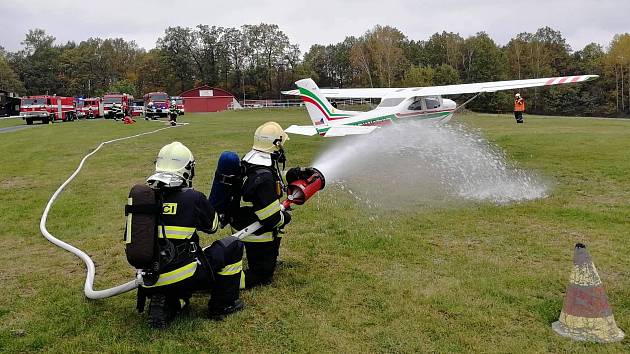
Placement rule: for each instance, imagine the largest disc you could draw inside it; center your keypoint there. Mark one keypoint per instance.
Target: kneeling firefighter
(163, 220)
(261, 192)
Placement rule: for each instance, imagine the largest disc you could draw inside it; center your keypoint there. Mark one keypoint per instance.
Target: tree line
(258, 61)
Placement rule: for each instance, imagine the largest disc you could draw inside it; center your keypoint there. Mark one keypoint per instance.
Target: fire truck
(47, 109)
(122, 99)
(137, 108)
(179, 101)
(87, 105)
(156, 104)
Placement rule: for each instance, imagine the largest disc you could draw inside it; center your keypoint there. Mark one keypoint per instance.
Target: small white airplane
(423, 103)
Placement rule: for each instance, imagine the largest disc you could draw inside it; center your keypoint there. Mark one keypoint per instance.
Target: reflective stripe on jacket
(261, 195)
(176, 275)
(177, 232)
(185, 212)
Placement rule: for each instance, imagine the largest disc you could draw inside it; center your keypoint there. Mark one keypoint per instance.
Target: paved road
(17, 127)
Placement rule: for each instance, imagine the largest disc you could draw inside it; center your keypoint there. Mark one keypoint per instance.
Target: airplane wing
(446, 90)
(500, 85)
(343, 130)
(307, 130)
(351, 93)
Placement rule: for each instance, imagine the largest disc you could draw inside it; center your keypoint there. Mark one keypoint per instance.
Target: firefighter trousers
(225, 258)
(261, 261)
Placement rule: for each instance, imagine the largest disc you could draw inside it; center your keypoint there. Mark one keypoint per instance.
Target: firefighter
(185, 212)
(172, 113)
(149, 111)
(519, 108)
(261, 192)
(117, 111)
(128, 120)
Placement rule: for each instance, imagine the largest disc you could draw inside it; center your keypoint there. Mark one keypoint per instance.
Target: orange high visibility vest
(519, 105)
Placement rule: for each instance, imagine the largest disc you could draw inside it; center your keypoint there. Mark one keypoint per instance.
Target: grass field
(10, 122)
(475, 277)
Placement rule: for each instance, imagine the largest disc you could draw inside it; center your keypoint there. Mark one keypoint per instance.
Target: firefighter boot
(158, 311)
(217, 311)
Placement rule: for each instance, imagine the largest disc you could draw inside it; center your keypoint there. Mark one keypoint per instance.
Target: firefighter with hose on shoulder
(260, 194)
(179, 266)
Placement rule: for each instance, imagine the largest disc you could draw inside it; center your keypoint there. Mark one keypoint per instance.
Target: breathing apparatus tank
(225, 193)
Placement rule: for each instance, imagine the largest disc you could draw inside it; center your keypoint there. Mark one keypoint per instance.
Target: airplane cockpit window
(390, 102)
(432, 103)
(416, 105)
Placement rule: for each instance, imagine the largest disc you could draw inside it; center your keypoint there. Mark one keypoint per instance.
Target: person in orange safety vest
(519, 108)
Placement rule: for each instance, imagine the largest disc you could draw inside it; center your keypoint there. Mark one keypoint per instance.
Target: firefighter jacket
(519, 105)
(261, 193)
(185, 211)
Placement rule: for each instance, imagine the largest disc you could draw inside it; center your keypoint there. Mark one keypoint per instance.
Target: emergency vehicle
(137, 108)
(156, 104)
(84, 105)
(122, 99)
(47, 109)
(179, 101)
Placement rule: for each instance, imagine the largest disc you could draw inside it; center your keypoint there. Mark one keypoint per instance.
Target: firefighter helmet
(269, 137)
(174, 166)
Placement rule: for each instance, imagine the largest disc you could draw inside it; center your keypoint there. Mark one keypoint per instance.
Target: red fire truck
(156, 104)
(47, 109)
(121, 99)
(89, 107)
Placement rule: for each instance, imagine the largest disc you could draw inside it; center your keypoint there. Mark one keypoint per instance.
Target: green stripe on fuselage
(308, 93)
(390, 117)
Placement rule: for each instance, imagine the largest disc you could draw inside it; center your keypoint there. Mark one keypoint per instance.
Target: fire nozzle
(301, 190)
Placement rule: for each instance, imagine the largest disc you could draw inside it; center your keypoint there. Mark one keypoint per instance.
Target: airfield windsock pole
(586, 314)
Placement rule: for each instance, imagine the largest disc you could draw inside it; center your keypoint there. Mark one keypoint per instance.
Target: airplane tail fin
(318, 107)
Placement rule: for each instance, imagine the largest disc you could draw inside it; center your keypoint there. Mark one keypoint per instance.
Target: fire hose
(299, 192)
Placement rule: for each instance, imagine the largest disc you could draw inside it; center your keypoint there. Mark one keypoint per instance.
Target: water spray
(418, 162)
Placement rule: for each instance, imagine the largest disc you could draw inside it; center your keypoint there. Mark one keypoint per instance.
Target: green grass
(11, 122)
(475, 277)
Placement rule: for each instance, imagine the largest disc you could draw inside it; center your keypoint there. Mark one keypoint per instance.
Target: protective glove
(287, 217)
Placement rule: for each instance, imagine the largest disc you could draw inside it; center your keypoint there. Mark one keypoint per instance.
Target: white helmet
(174, 167)
(518, 95)
(269, 137)
(269, 140)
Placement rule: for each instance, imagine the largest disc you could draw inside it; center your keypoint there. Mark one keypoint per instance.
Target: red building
(208, 99)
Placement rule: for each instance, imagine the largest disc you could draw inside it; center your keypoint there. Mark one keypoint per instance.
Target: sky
(316, 21)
